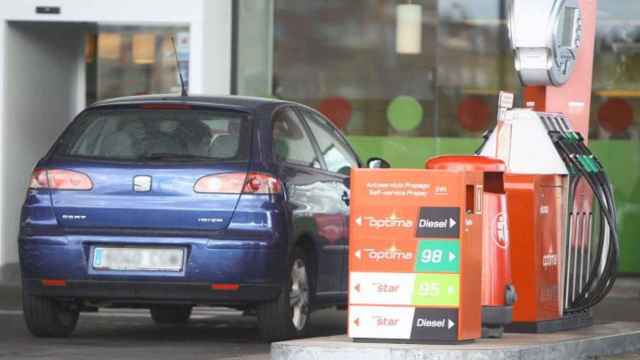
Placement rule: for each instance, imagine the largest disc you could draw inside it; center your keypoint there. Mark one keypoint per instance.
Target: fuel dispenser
(565, 254)
(562, 216)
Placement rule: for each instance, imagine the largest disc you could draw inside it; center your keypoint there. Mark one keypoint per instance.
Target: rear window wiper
(172, 156)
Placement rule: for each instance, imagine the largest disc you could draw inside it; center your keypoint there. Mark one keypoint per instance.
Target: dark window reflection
(340, 57)
(327, 53)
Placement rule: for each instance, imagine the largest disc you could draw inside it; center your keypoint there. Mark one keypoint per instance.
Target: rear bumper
(138, 292)
(258, 266)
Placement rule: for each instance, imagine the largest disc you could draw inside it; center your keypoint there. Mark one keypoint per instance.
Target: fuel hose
(584, 165)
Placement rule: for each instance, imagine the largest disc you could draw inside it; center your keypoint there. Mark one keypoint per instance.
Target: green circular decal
(404, 113)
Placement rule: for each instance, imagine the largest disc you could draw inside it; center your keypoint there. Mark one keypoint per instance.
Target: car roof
(242, 103)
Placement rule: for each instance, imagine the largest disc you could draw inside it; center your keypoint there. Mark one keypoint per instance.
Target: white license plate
(138, 259)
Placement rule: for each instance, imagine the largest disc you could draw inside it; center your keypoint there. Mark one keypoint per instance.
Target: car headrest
(224, 146)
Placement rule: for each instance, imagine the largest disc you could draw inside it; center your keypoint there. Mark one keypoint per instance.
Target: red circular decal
(615, 115)
(337, 109)
(474, 113)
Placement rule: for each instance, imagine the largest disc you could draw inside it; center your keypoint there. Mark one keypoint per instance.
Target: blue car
(168, 202)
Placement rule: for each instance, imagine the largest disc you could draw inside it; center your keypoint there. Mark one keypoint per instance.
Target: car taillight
(59, 179)
(258, 183)
(39, 179)
(236, 183)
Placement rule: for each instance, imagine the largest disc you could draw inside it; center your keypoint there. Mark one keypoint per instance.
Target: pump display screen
(545, 32)
(567, 27)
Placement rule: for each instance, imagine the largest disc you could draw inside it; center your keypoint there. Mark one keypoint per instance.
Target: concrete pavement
(130, 334)
(213, 334)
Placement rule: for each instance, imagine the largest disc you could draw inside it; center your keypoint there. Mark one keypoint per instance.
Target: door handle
(345, 198)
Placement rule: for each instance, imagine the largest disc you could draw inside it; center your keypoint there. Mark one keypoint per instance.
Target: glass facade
(134, 60)
(340, 56)
(615, 115)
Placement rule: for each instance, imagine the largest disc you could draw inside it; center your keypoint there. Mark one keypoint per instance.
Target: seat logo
(74, 217)
(142, 183)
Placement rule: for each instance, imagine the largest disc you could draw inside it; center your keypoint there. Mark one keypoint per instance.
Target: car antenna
(175, 52)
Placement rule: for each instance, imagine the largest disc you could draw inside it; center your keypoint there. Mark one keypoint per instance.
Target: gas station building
(402, 86)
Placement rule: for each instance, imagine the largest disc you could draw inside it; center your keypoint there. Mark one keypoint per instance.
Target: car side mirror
(378, 163)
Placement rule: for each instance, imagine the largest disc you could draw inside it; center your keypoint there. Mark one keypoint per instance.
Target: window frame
(307, 133)
(334, 133)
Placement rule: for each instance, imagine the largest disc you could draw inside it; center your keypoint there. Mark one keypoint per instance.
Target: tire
(170, 314)
(48, 318)
(287, 317)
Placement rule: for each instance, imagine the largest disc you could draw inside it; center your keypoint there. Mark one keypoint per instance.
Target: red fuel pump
(498, 293)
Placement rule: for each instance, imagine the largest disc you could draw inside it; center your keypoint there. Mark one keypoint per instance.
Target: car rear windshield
(157, 135)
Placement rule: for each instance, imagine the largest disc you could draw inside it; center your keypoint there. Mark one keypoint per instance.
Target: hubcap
(299, 295)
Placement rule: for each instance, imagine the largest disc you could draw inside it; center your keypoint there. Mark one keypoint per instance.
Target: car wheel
(46, 317)
(288, 316)
(170, 314)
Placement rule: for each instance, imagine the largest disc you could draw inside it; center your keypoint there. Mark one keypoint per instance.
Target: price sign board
(437, 290)
(438, 256)
(414, 255)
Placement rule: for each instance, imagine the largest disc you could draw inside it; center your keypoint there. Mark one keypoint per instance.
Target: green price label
(437, 290)
(438, 256)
